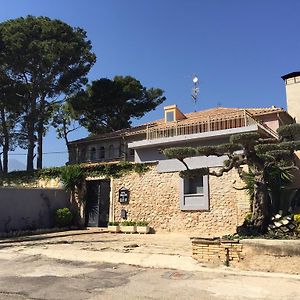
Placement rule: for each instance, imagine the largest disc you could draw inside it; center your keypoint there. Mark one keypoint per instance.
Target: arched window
(111, 151)
(102, 152)
(82, 154)
(93, 154)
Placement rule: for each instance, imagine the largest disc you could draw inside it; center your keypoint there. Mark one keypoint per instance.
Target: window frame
(102, 152)
(93, 153)
(202, 205)
(173, 116)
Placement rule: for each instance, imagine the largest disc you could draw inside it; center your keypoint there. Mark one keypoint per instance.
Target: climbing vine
(88, 170)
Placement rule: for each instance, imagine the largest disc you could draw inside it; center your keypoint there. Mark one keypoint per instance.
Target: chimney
(292, 88)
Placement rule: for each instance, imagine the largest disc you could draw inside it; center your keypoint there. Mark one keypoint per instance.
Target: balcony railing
(229, 121)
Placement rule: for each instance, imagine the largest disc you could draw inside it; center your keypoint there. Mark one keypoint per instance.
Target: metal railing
(221, 122)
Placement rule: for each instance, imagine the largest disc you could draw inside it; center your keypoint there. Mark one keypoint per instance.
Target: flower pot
(128, 229)
(113, 228)
(142, 229)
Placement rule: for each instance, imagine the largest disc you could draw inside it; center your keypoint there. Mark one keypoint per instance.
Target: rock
(131, 246)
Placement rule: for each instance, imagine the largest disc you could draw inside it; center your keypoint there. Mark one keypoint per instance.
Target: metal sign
(123, 195)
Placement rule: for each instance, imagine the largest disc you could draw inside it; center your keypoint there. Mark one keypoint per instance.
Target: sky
(238, 49)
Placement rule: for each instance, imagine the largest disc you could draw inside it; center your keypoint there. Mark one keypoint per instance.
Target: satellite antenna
(195, 89)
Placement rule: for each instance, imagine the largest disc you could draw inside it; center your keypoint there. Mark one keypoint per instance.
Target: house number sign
(123, 195)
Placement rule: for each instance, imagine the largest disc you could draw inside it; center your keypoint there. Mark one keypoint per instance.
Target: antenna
(195, 89)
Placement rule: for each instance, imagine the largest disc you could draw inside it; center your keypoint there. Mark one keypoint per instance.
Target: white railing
(221, 122)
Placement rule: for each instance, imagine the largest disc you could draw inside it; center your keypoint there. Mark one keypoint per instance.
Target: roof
(290, 75)
(212, 113)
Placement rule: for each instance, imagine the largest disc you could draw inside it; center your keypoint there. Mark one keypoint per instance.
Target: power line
(46, 153)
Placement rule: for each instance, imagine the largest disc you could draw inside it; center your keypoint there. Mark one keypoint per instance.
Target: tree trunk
(261, 205)
(65, 133)
(30, 150)
(5, 159)
(40, 132)
(39, 161)
(31, 138)
(5, 142)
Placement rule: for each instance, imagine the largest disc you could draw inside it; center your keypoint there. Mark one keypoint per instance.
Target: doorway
(97, 206)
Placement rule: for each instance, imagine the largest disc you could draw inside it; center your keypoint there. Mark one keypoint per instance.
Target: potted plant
(128, 227)
(113, 227)
(142, 227)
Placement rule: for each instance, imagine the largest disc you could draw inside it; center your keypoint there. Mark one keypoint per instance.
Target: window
(194, 193)
(93, 154)
(193, 185)
(111, 151)
(102, 152)
(170, 116)
(82, 155)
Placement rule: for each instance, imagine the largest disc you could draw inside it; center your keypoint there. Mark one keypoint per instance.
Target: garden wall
(154, 197)
(29, 208)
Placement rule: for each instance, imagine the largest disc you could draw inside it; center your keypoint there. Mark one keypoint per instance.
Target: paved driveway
(73, 265)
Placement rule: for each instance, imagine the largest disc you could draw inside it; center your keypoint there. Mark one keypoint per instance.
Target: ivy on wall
(88, 170)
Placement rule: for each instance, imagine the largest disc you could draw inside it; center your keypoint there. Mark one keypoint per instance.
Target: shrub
(63, 217)
(113, 223)
(142, 223)
(297, 221)
(128, 223)
(71, 176)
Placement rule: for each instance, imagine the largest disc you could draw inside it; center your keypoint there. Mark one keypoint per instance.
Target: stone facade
(154, 197)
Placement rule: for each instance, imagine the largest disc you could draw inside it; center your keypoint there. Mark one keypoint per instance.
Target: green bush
(63, 217)
(297, 221)
(71, 176)
(142, 223)
(128, 223)
(113, 223)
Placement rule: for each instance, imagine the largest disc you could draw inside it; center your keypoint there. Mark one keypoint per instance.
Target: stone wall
(217, 250)
(154, 197)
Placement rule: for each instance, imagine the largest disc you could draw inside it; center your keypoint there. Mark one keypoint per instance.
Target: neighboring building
(205, 205)
(292, 86)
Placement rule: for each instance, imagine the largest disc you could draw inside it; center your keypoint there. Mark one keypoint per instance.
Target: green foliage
(297, 218)
(113, 223)
(244, 138)
(249, 181)
(194, 173)
(227, 148)
(248, 217)
(263, 148)
(206, 150)
(280, 154)
(63, 217)
(180, 153)
(291, 145)
(142, 223)
(71, 176)
(109, 105)
(128, 223)
(289, 132)
(47, 58)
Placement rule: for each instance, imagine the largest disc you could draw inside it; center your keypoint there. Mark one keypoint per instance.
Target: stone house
(203, 205)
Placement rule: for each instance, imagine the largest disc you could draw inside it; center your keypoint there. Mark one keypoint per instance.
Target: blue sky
(238, 48)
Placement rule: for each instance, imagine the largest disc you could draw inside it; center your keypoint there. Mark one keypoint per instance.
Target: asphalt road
(38, 277)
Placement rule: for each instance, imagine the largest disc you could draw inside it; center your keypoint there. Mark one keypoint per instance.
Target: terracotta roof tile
(212, 113)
